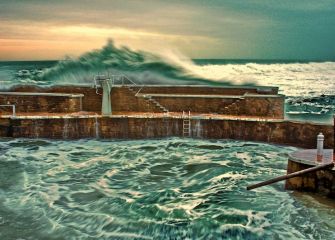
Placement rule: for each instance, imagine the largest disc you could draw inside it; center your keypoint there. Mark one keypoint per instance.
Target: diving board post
(106, 107)
(106, 85)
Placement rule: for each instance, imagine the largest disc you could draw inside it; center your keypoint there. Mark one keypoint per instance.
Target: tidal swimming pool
(152, 189)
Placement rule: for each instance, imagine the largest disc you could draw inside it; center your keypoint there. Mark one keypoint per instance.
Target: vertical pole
(106, 108)
(319, 146)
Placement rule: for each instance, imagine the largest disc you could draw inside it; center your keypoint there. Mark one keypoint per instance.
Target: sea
(171, 188)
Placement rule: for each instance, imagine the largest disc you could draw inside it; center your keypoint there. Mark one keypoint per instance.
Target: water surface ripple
(153, 189)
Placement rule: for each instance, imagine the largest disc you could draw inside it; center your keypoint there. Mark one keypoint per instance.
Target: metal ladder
(187, 124)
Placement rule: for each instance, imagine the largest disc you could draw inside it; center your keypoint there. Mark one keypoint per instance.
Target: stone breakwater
(140, 127)
(74, 112)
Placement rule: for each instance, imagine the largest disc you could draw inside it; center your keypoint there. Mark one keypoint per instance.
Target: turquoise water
(154, 189)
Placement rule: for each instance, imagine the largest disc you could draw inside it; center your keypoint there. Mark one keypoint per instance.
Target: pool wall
(252, 113)
(137, 127)
(250, 101)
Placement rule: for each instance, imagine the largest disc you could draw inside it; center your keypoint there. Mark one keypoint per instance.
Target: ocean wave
(142, 67)
(168, 67)
(293, 79)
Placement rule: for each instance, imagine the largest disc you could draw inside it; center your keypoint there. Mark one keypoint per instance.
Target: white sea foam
(171, 67)
(294, 79)
(228, 175)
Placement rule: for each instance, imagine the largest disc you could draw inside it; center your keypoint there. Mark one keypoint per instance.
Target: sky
(230, 29)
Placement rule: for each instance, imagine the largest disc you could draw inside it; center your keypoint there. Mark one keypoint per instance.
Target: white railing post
(13, 108)
(319, 146)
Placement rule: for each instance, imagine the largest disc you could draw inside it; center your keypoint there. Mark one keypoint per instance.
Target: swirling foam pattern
(154, 189)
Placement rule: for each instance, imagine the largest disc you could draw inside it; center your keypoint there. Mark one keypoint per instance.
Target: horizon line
(201, 59)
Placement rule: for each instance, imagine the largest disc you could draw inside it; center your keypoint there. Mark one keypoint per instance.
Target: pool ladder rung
(187, 124)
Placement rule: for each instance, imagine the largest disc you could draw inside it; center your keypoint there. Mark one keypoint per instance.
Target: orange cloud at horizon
(17, 49)
(56, 42)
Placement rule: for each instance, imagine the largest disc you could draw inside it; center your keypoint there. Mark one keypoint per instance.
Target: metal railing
(9, 105)
(116, 80)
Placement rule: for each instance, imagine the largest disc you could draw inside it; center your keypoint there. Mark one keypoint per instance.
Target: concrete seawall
(298, 134)
(197, 99)
(74, 112)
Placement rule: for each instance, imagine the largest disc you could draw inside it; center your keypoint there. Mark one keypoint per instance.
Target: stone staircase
(156, 103)
(234, 108)
(151, 101)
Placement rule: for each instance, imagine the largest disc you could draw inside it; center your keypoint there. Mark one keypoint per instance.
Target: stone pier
(74, 112)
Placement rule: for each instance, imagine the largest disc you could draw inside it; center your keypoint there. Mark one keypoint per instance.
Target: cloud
(54, 42)
(207, 29)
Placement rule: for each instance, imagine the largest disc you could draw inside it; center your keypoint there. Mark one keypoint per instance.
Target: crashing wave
(140, 66)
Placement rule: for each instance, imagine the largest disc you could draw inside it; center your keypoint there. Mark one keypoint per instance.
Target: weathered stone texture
(40, 103)
(124, 99)
(260, 106)
(263, 106)
(5, 127)
(281, 132)
(322, 181)
(199, 105)
(91, 101)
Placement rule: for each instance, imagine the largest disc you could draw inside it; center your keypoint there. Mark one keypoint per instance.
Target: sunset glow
(217, 29)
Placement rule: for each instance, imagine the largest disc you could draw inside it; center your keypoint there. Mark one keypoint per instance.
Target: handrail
(116, 79)
(13, 108)
(291, 175)
(184, 116)
(139, 90)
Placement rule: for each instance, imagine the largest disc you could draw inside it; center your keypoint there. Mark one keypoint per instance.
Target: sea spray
(142, 67)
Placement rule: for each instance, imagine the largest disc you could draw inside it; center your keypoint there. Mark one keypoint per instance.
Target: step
(157, 104)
